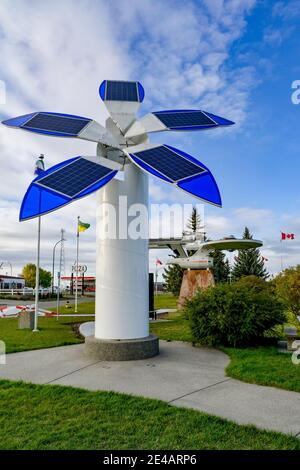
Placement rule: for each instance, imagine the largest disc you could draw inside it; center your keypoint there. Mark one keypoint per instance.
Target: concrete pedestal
(26, 320)
(193, 280)
(121, 350)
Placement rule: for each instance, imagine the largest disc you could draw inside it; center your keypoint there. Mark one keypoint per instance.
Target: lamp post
(6, 262)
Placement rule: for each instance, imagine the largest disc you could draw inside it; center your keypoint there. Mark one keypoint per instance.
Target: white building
(11, 282)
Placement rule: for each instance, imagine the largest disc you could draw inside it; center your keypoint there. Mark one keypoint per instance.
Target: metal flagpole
(77, 256)
(37, 278)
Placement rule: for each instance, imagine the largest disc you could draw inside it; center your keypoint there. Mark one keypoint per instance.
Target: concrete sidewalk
(180, 375)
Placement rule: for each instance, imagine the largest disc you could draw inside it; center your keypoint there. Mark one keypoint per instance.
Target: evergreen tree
(173, 278)
(194, 223)
(221, 266)
(249, 262)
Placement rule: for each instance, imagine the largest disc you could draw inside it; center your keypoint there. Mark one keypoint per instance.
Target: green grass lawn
(44, 417)
(165, 301)
(52, 332)
(177, 329)
(265, 366)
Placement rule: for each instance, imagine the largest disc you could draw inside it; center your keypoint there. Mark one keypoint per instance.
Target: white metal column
(122, 305)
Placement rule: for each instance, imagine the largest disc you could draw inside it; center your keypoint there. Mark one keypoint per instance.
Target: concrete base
(121, 350)
(192, 281)
(26, 320)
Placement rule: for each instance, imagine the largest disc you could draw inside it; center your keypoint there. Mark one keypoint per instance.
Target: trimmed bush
(233, 314)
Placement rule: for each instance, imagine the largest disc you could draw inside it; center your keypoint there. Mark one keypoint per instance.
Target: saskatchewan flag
(82, 226)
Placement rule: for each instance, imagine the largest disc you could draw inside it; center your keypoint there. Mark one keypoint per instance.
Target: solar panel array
(121, 91)
(75, 177)
(176, 119)
(169, 163)
(56, 123)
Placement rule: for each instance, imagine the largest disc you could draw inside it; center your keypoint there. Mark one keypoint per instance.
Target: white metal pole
(37, 278)
(77, 258)
(59, 273)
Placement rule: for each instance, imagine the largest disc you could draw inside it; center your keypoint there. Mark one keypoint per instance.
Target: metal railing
(24, 291)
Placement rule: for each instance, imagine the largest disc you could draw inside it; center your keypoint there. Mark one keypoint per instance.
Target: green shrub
(255, 283)
(233, 314)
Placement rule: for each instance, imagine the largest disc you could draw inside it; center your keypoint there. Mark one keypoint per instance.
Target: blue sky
(235, 58)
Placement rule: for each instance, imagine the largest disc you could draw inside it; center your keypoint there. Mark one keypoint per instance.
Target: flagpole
(77, 257)
(281, 262)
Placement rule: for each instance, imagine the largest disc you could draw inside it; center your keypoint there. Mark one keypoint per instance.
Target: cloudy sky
(234, 58)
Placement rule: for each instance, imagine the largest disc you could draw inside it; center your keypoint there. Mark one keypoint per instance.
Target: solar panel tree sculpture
(122, 146)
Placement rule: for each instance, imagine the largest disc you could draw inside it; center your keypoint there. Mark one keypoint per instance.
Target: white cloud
(55, 53)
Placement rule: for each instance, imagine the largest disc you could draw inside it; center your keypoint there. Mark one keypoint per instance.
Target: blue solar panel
(182, 119)
(121, 91)
(169, 163)
(58, 123)
(75, 177)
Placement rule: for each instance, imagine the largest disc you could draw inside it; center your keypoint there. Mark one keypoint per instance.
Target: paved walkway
(181, 375)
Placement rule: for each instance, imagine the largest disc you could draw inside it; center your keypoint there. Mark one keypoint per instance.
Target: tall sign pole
(39, 169)
(77, 267)
(37, 277)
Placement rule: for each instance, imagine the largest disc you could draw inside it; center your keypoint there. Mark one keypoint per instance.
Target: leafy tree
(29, 272)
(173, 278)
(249, 262)
(221, 266)
(287, 285)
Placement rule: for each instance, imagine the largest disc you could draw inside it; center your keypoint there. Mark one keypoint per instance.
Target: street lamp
(6, 262)
(62, 239)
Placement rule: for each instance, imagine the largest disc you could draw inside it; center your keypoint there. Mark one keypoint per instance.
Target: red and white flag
(158, 262)
(287, 236)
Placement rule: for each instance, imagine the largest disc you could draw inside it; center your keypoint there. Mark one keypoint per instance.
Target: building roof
(4, 276)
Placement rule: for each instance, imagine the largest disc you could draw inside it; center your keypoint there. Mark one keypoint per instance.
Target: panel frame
(38, 183)
(187, 127)
(68, 199)
(103, 89)
(55, 132)
(168, 178)
(208, 172)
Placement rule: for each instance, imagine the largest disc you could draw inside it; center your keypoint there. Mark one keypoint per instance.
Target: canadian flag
(158, 262)
(287, 236)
